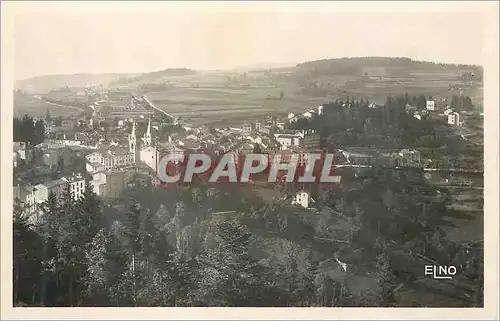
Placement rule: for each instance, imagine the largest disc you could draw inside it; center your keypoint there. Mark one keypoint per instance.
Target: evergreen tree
(39, 132)
(230, 275)
(50, 229)
(28, 130)
(132, 228)
(26, 258)
(421, 102)
(91, 213)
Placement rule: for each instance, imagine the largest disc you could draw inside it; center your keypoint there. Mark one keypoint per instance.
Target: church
(146, 152)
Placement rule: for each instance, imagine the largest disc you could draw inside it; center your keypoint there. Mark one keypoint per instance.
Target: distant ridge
(42, 84)
(261, 66)
(354, 66)
(155, 75)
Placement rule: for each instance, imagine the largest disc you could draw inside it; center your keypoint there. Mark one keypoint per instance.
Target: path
(55, 104)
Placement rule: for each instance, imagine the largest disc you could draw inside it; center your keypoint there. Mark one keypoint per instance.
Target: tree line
(28, 130)
(351, 122)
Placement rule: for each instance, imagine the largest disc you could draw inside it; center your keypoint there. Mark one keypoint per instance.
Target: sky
(121, 37)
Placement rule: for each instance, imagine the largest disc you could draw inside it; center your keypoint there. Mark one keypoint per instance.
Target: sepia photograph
(250, 155)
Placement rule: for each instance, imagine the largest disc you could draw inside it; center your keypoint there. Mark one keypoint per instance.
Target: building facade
(454, 119)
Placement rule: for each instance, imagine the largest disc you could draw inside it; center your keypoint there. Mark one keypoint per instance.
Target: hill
(378, 67)
(43, 84)
(154, 76)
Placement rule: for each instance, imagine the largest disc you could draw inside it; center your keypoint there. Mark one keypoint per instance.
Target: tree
(407, 98)
(17, 130)
(230, 276)
(28, 129)
(39, 132)
(132, 228)
(421, 102)
(455, 103)
(467, 103)
(26, 258)
(50, 229)
(97, 277)
(91, 213)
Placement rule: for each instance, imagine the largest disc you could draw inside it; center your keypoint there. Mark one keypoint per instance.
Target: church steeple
(132, 139)
(147, 136)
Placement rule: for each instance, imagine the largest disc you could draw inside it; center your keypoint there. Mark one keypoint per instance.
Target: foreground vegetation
(175, 248)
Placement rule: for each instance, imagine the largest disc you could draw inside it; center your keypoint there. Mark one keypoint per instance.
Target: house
(25, 152)
(288, 140)
(50, 158)
(417, 116)
(247, 127)
(292, 118)
(42, 191)
(68, 124)
(265, 130)
(99, 161)
(320, 110)
(111, 183)
(447, 111)
(280, 125)
(454, 119)
(26, 194)
(98, 183)
(50, 128)
(430, 105)
(76, 184)
(307, 114)
(301, 199)
(15, 159)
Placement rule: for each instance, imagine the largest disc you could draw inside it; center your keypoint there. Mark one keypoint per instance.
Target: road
(159, 110)
(59, 105)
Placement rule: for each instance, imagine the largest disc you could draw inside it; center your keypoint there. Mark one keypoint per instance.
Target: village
(117, 147)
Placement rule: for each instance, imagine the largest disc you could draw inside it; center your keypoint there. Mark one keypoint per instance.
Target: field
(230, 98)
(215, 104)
(24, 104)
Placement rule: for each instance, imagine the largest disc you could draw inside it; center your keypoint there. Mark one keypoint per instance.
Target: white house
(292, 118)
(430, 104)
(26, 194)
(99, 183)
(98, 161)
(454, 119)
(42, 191)
(288, 140)
(307, 114)
(447, 111)
(320, 110)
(77, 185)
(301, 199)
(417, 116)
(50, 158)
